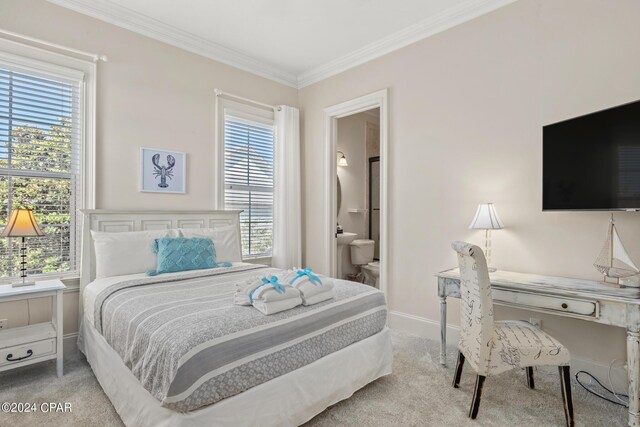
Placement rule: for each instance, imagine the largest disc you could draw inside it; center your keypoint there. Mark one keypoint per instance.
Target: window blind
(248, 181)
(40, 134)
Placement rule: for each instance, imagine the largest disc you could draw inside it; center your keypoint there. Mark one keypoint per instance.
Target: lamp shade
(22, 223)
(486, 218)
(342, 161)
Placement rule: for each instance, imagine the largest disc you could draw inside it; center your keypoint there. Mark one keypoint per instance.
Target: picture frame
(163, 171)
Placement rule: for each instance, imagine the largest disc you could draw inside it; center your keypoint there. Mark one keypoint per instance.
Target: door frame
(379, 100)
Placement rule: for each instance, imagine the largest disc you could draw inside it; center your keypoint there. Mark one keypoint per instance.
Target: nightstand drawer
(24, 352)
(573, 306)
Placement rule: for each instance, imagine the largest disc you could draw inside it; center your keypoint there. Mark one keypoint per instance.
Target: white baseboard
(430, 329)
(422, 327)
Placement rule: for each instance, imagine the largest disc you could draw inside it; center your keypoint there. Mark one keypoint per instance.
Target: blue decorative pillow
(183, 254)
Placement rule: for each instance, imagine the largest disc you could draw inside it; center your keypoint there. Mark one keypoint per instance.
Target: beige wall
(467, 108)
(149, 94)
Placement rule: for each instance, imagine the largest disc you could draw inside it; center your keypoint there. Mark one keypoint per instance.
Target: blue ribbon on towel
(273, 281)
(307, 272)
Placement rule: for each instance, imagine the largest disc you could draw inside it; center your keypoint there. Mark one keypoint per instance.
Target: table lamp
(22, 224)
(486, 219)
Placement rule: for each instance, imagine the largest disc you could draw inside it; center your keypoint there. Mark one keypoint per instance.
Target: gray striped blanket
(190, 346)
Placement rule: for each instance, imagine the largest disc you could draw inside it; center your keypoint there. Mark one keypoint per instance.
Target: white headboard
(132, 220)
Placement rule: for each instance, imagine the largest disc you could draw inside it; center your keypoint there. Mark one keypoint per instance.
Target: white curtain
(287, 209)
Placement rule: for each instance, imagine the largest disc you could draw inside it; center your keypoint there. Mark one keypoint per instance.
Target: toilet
(371, 273)
(362, 256)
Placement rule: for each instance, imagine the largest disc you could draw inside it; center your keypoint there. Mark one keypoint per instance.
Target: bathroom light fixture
(486, 219)
(342, 161)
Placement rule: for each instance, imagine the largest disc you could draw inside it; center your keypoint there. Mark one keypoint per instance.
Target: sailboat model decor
(614, 261)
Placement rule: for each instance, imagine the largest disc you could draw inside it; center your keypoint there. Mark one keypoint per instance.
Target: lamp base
(19, 284)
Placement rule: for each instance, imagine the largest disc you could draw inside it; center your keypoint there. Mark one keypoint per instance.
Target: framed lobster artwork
(162, 171)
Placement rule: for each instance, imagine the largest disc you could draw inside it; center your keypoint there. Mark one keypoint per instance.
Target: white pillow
(126, 252)
(225, 241)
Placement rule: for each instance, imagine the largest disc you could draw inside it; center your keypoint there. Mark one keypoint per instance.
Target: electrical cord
(620, 403)
(613, 390)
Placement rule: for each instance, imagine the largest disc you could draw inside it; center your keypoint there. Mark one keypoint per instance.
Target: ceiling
(296, 42)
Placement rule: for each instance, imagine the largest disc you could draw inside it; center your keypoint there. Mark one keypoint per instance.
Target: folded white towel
(314, 289)
(274, 307)
(322, 296)
(263, 295)
(241, 297)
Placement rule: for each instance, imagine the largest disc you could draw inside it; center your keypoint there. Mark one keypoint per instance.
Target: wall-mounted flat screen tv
(592, 162)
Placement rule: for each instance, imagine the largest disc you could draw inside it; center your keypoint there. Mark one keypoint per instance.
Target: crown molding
(131, 20)
(126, 18)
(439, 22)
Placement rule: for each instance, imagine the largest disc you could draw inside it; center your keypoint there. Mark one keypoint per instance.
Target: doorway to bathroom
(355, 189)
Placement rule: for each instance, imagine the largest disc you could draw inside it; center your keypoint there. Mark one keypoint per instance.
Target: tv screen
(592, 162)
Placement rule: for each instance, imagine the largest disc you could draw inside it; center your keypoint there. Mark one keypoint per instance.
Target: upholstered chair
(492, 347)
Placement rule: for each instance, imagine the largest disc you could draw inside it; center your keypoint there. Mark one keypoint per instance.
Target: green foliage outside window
(36, 151)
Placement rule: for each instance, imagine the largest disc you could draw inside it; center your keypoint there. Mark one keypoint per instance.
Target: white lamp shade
(486, 218)
(342, 161)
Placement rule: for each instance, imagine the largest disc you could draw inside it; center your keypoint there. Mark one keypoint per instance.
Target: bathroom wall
(353, 179)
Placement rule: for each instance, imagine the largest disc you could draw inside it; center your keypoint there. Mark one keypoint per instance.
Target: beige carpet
(419, 393)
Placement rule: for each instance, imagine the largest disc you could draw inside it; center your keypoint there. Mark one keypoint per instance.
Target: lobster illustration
(163, 172)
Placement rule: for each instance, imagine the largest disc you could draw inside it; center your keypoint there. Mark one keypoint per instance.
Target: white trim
(253, 110)
(131, 20)
(79, 71)
(54, 64)
(422, 327)
(94, 56)
(243, 109)
(377, 99)
(430, 329)
(18, 62)
(434, 24)
(222, 94)
(126, 18)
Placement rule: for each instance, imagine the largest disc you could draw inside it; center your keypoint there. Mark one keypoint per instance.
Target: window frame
(29, 59)
(248, 112)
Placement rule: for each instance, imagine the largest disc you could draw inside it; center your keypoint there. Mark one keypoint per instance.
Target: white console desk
(581, 299)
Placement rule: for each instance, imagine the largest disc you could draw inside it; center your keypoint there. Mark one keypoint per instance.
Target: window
(42, 130)
(248, 175)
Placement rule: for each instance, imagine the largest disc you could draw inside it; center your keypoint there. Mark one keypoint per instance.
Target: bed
(173, 350)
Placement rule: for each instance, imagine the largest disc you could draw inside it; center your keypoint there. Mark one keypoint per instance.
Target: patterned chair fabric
(494, 347)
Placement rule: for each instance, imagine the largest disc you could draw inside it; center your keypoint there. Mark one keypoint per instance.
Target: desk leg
(633, 372)
(443, 330)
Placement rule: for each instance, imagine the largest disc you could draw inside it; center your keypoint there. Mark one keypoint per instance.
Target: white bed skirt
(289, 400)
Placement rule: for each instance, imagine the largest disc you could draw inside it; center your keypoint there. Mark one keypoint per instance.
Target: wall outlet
(536, 322)
(4, 323)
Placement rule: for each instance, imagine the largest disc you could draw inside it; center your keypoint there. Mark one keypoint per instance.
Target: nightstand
(36, 343)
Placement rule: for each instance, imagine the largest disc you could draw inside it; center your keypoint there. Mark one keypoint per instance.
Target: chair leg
(530, 382)
(477, 394)
(565, 383)
(458, 372)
